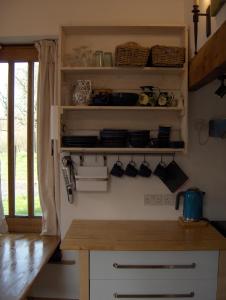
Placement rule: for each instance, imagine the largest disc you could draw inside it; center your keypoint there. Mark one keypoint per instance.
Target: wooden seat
(22, 257)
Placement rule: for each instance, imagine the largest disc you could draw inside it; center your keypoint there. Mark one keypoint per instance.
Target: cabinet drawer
(153, 289)
(153, 264)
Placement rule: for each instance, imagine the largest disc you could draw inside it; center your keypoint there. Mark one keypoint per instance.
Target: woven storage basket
(162, 56)
(131, 54)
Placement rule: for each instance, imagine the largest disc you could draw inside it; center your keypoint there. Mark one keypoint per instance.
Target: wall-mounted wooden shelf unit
(74, 119)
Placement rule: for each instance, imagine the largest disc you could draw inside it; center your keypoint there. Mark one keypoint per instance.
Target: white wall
(29, 20)
(204, 164)
(32, 19)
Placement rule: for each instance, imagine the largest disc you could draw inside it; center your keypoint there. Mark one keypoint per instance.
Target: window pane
(3, 134)
(20, 136)
(38, 211)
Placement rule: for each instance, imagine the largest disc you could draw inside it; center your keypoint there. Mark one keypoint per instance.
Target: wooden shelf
(95, 118)
(120, 108)
(131, 70)
(122, 150)
(119, 30)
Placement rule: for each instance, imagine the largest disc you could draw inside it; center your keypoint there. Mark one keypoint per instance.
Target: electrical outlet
(159, 199)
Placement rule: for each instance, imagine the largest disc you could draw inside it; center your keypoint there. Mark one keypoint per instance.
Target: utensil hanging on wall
(68, 174)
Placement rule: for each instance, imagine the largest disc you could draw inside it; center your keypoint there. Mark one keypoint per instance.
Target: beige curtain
(3, 224)
(48, 168)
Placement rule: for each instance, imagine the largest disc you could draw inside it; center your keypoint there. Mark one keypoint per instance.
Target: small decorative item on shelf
(108, 98)
(162, 56)
(101, 97)
(163, 99)
(77, 57)
(88, 141)
(124, 99)
(83, 56)
(166, 99)
(149, 96)
(68, 60)
(143, 99)
(113, 138)
(108, 59)
(99, 58)
(164, 136)
(131, 54)
(177, 99)
(139, 138)
(82, 92)
(173, 101)
(80, 57)
(152, 96)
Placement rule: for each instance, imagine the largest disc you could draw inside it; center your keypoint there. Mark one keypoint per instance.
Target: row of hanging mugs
(170, 174)
(131, 169)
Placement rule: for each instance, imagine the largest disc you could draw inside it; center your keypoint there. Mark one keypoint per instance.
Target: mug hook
(105, 160)
(174, 154)
(81, 160)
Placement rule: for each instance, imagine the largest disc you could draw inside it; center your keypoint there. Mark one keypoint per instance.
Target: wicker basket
(131, 54)
(162, 56)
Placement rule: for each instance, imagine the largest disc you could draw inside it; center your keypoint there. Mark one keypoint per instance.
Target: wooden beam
(216, 6)
(210, 62)
(18, 53)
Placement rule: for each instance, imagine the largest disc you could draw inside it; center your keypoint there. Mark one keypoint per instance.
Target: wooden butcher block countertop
(140, 235)
(22, 257)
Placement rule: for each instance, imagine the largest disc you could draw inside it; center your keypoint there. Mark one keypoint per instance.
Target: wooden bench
(22, 257)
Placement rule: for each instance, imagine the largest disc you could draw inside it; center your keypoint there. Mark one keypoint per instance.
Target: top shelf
(96, 70)
(122, 29)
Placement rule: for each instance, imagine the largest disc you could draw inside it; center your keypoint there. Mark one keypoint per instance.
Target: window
(18, 123)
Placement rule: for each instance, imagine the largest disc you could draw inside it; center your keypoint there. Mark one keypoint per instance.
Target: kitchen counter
(140, 235)
(88, 235)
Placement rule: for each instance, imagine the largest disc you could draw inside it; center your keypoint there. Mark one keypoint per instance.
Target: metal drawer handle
(151, 296)
(117, 266)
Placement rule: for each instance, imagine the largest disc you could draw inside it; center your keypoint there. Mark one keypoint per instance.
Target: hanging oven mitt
(175, 177)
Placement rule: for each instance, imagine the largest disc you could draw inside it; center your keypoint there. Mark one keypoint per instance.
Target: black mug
(117, 170)
(144, 169)
(160, 171)
(131, 169)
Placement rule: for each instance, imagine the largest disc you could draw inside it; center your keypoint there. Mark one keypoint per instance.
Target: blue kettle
(193, 204)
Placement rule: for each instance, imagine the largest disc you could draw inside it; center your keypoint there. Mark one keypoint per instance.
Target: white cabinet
(153, 275)
(92, 119)
(154, 289)
(153, 265)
